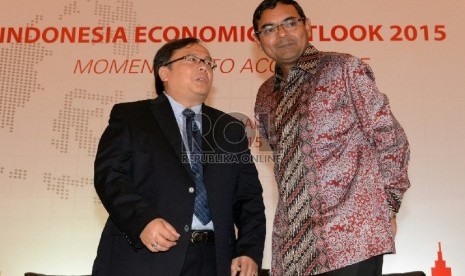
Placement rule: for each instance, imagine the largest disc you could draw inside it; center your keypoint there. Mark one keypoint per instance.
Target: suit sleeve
(249, 209)
(383, 131)
(113, 179)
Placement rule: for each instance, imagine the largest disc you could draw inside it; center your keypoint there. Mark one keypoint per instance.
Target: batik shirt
(341, 163)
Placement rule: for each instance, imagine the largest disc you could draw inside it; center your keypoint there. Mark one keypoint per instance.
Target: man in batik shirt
(341, 156)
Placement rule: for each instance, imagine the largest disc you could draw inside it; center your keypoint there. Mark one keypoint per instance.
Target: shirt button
(186, 228)
(191, 190)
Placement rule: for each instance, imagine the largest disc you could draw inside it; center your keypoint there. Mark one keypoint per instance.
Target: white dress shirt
(181, 120)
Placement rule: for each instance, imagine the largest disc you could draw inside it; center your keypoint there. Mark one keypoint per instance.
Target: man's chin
(202, 95)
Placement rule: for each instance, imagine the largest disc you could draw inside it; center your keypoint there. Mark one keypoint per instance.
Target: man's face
(188, 81)
(284, 46)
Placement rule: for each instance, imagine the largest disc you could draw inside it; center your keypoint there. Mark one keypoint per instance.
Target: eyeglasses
(289, 24)
(191, 59)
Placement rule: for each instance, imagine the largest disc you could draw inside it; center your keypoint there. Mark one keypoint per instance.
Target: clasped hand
(159, 235)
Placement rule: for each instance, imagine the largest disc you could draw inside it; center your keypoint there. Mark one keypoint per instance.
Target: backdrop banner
(65, 63)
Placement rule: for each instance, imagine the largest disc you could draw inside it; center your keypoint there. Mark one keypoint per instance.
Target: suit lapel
(208, 123)
(209, 145)
(164, 115)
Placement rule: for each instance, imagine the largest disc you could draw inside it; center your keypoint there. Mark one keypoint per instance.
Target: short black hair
(164, 55)
(271, 4)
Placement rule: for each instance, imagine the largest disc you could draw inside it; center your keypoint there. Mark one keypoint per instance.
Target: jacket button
(191, 190)
(186, 228)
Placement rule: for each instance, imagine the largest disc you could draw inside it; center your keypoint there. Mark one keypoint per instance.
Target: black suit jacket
(140, 176)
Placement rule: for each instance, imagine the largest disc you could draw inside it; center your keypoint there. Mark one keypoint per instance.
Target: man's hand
(244, 266)
(159, 235)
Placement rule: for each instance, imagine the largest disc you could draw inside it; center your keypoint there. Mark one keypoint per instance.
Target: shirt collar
(179, 108)
(307, 63)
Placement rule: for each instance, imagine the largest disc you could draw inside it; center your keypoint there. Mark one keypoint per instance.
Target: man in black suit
(179, 202)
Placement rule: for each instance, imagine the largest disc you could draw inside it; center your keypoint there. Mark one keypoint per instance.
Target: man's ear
(308, 27)
(163, 73)
(257, 40)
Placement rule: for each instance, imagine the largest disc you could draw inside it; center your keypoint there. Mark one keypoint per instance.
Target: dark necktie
(194, 142)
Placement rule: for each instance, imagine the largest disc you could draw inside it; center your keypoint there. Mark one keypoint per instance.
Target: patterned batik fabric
(350, 155)
(296, 179)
